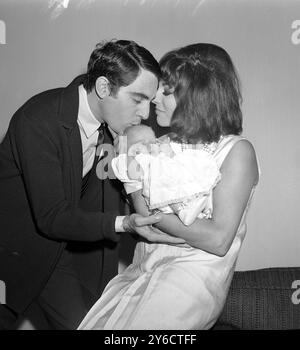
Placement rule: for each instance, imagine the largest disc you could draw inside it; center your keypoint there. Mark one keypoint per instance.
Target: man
(60, 223)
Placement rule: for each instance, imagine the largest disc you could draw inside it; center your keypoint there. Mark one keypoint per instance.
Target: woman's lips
(159, 110)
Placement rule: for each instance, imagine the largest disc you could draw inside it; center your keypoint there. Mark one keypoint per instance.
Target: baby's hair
(137, 127)
(136, 131)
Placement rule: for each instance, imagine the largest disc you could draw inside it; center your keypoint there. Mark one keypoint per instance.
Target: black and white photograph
(149, 167)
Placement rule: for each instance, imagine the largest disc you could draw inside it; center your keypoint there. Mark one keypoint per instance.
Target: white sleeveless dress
(169, 286)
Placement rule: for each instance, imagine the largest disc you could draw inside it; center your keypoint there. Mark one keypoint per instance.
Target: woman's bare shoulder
(242, 157)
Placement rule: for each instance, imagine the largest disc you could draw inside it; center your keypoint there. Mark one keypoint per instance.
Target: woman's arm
(230, 197)
(154, 235)
(139, 203)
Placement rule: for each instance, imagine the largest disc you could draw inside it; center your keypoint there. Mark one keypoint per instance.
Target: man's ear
(102, 87)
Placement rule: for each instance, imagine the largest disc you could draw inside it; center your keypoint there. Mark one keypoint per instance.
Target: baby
(173, 177)
(141, 139)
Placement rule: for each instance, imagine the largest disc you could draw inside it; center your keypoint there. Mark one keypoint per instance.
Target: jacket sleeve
(55, 216)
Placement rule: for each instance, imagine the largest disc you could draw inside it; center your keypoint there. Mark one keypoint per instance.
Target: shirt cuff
(119, 224)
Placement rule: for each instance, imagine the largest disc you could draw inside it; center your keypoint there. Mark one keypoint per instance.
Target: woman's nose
(157, 98)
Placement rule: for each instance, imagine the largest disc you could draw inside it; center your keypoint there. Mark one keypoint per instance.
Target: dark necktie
(100, 140)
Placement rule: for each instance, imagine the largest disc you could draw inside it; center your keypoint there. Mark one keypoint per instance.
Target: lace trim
(182, 199)
(207, 147)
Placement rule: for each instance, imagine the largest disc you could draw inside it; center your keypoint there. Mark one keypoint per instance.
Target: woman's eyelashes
(167, 90)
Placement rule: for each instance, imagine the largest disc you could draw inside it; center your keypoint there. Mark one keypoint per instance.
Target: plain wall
(41, 50)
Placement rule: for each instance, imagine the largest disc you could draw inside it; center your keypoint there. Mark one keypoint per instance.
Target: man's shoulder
(49, 101)
(43, 100)
(47, 107)
(41, 108)
(46, 104)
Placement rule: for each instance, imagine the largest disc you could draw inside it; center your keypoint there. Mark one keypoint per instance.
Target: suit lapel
(75, 149)
(68, 114)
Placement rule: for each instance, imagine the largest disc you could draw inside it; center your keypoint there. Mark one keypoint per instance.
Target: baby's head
(139, 134)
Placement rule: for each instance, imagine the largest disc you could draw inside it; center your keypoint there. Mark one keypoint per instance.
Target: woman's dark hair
(120, 62)
(207, 92)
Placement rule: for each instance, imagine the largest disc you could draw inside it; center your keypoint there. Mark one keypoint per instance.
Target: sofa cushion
(262, 299)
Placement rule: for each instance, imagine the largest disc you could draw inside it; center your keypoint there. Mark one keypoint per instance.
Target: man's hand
(142, 226)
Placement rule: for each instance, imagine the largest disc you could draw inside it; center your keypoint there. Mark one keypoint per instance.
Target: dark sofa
(263, 299)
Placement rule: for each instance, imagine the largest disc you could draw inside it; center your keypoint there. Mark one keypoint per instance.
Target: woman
(185, 286)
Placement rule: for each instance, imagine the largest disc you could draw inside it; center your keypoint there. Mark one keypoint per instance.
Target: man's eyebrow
(140, 94)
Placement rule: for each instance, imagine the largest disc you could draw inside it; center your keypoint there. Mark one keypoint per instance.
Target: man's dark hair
(120, 62)
(207, 92)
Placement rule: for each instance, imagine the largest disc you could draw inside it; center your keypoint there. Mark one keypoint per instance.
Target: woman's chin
(162, 121)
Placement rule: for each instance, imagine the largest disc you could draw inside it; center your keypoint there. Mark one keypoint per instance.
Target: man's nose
(143, 112)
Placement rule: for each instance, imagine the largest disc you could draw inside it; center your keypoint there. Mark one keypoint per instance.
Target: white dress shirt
(88, 127)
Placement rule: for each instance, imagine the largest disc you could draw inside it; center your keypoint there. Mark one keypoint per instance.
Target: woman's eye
(167, 90)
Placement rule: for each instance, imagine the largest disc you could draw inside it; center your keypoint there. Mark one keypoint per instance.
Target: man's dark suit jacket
(41, 208)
